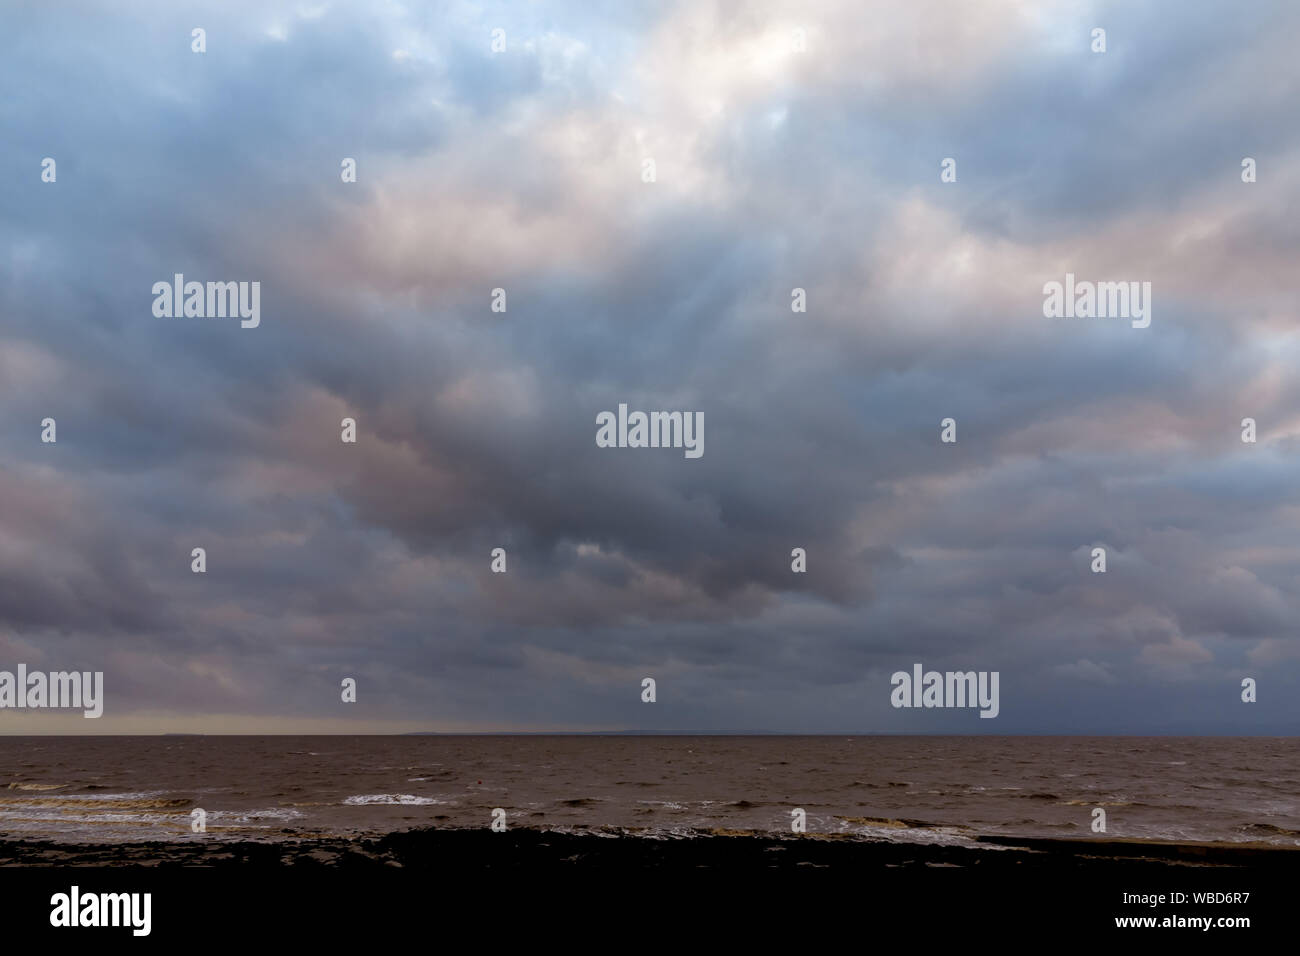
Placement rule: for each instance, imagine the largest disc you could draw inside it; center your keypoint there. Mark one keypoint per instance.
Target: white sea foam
(366, 799)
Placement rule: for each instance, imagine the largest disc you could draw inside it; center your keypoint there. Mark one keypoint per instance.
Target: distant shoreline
(1170, 735)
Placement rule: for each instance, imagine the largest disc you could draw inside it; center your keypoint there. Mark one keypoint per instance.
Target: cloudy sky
(775, 167)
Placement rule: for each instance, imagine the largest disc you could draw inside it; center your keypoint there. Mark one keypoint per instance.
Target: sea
(947, 790)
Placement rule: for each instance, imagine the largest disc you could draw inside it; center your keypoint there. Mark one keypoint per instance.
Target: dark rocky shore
(523, 848)
(732, 887)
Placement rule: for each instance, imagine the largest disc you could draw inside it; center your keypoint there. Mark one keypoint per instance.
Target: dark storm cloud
(523, 171)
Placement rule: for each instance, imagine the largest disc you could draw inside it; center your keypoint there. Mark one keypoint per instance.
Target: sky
(794, 145)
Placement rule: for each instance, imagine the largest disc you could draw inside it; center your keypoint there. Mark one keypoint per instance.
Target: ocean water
(918, 789)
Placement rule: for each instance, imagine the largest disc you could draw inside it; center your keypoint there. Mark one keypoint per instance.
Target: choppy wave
(106, 801)
(1268, 829)
(901, 824)
(405, 799)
